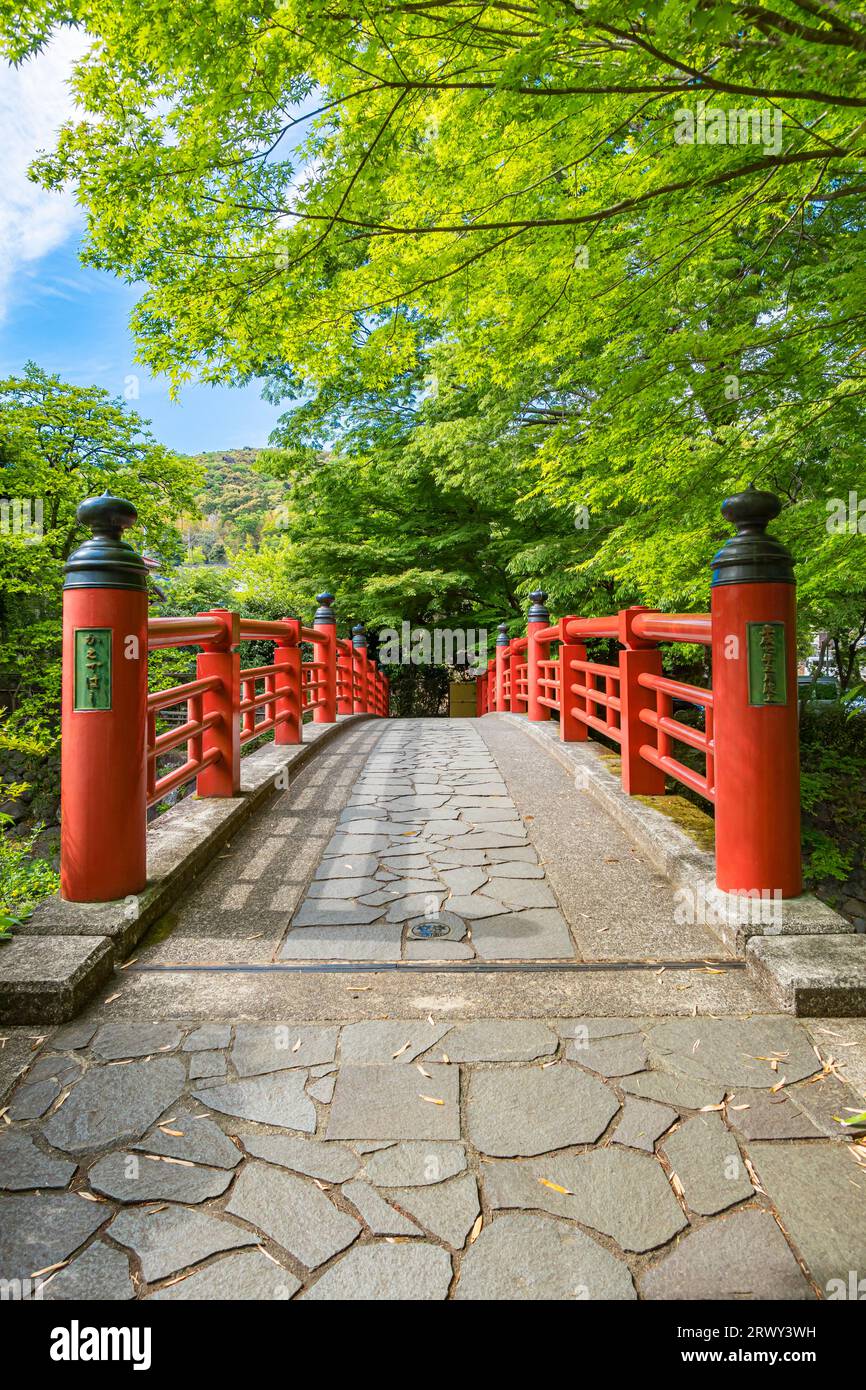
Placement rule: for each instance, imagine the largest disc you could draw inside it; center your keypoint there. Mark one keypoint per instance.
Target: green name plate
(92, 668)
(768, 678)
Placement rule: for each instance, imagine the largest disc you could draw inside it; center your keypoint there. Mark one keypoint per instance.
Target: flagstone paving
(474, 1159)
(389, 1135)
(430, 861)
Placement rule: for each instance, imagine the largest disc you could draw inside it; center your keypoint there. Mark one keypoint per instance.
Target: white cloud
(34, 102)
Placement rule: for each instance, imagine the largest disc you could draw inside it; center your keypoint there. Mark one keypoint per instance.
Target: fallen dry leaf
(431, 1100)
(401, 1050)
(555, 1187)
(476, 1229)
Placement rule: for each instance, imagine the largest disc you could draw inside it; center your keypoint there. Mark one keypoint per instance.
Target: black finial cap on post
(503, 638)
(537, 611)
(105, 560)
(751, 556)
(323, 612)
(359, 635)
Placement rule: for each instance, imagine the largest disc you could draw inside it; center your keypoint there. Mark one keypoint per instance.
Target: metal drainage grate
(425, 931)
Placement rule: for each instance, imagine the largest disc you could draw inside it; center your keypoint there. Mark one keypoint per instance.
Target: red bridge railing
(111, 746)
(749, 739)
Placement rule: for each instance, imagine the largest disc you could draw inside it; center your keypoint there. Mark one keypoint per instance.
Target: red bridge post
(637, 657)
(501, 660)
(536, 652)
(359, 668)
(756, 732)
(221, 659)
(326, 653)
(288, 658)
(571, 729)
(104, 710)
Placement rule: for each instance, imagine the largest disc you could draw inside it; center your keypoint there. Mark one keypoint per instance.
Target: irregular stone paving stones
(520, 892)
(341, 888)
(194, 1138)
(438, 949)
(317, 1158)
(383, 1041)
(525, 1257)
(760, 1115)
(734, 1051)
(413, 1272)
(643, 1121)
(23, 1165)
(671, 1089)
(817, 1189)
(621, 1056)
(277, 1099)
(387, 1102)
(250, 1275)
(379, 942)
(447, 1210)
(322, 1090)
(588, 1029)
(168, 1240)
(825, 1099)
(740, 1256)
(354, 866)
(37, 1232)
(133, 1177)
(204, 1064)
(619, 1193)
(376, 1213)
(705, 1157)
(539, 933)
(209, 1037)
(324, 913)
(117, 1040)
(416, 904)
(293, 1212)
(531, 1110)
(112, 1104)
(73, 1035)
(475, 906)
(98, 1273)
(31, 1101)
(500, 1041)
(512, 869)
(415, 1164)
(274, 1047)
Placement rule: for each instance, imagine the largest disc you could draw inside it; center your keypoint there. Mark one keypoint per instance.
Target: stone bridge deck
(428, 1028)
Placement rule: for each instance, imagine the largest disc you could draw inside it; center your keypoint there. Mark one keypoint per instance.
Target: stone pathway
(223, 1122)
(417, 1159)
(432, 860)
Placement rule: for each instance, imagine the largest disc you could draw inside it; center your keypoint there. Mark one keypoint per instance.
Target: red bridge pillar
(757, 772)
(536, 652)
(104, 709)
(501, 660)
(326, 653)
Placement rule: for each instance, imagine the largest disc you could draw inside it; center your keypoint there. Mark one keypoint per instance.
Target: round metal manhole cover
(425, 931)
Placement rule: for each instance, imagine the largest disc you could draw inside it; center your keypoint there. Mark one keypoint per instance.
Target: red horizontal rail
(164, 699)
(183, 632)
(267, 630)
(674, 627)
(679, 771)
(679, 690)
(592, 627)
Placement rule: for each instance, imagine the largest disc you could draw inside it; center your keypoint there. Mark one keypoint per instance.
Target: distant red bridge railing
(110, 745)
(749, 739)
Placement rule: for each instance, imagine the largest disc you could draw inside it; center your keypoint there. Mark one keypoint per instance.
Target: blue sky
(73, 320)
